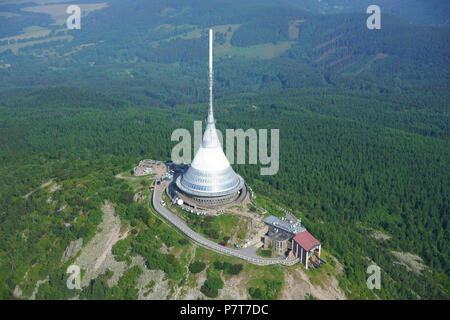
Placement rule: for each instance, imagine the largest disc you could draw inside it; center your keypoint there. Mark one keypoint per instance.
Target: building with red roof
(284, 235)
(306, 247)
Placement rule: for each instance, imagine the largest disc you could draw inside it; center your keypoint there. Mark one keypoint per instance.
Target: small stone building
(284, 235)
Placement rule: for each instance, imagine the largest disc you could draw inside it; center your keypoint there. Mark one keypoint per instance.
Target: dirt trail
(120, 176)
(46, 184)
(379, 56)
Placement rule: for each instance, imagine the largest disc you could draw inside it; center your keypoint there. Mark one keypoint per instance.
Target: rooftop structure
(210, 177)
(306, 240)
(307, 249)
(283, 224)
(279, 235)
(288, 235)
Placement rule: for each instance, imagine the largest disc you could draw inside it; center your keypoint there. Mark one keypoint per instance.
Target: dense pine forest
(363, 118)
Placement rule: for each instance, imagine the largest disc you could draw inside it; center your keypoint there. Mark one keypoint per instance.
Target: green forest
(364, 137)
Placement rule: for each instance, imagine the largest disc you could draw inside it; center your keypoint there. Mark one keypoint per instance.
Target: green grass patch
(320, 276)
(266, 253)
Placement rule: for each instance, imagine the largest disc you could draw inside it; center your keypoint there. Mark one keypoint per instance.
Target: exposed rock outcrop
(17, 292)
(72, 250)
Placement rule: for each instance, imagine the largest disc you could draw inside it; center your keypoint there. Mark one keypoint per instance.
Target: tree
(197, 267)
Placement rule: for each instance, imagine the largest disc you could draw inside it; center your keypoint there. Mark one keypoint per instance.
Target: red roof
(306, 240)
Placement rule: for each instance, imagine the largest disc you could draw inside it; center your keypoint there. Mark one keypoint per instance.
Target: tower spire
(210, 118)
(210, 178)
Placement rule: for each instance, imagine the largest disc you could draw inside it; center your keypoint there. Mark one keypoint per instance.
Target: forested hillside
(363, 118)
(431, 12)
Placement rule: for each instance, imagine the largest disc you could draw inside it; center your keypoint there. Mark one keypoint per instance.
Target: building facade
(307, 248)
(284, 235)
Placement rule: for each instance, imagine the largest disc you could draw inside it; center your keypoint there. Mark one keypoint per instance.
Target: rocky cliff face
(72, 250)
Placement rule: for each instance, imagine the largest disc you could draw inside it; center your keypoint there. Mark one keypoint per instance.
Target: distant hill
(145, 44)
(425, 12)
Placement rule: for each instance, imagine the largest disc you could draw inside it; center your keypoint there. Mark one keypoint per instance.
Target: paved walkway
(248, 254)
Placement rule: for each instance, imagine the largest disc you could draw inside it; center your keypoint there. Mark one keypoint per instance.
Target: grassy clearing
(16, 46)
(221, 228)
(126, 174)
(58, 11)
(265, 282)
(28, 33)
(137, 183)
(321, 276)
(262, 51)
(229, 225)
(81, 47)
(8, 14)
(266, 253)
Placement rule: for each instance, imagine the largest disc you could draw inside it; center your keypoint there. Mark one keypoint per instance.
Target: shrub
(212, 285)
(126, 197)
(255, 293)
(214, 282)
(269, 292)
(234, 269)
(212, 293)
(120, 249)
(197, 267)
(218, 265)
(212, 233)
(309, 296)
(228, 268)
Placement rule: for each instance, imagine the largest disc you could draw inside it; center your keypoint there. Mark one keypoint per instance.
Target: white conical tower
(210, 174)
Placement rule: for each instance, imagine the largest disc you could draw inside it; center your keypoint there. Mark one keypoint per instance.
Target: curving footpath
(194, 236)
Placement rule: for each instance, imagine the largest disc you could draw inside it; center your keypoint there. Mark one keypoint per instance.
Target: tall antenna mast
(210, 118)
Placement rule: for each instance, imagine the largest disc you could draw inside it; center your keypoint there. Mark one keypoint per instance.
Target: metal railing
(174, 220)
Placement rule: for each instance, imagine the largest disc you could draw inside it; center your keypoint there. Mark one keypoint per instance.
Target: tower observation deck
(210, 178)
